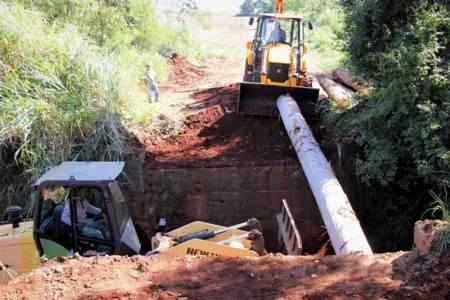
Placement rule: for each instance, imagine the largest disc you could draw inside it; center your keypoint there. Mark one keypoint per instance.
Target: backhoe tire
(248, 77)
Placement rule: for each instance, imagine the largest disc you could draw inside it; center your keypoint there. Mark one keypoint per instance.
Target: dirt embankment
(213, 134)
(386, 276)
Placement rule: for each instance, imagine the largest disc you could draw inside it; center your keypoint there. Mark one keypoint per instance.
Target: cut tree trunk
(336, 91)
(358, 84)
(315, 84)
(342, 224)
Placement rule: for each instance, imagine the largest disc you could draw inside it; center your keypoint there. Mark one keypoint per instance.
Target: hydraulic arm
(279, 6)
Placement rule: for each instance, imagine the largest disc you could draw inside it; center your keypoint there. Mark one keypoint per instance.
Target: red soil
(385, 276)
(218, 136)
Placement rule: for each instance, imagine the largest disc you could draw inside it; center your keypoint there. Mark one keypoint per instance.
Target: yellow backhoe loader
(276, 65)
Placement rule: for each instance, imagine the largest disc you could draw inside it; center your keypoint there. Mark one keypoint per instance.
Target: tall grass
(441, 208)
(67, 92)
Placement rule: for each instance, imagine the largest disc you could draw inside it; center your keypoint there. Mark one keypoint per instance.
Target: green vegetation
(251, 7)
(402, 48)
(441, 205)
(323, 41)
(70, 81)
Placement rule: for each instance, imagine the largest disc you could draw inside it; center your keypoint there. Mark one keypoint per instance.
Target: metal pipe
(238, 226)
(342, 224)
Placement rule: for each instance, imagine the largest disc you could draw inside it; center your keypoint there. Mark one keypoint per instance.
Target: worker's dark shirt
(281, 36)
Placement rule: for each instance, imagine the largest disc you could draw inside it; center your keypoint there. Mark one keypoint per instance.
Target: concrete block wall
(224, 196)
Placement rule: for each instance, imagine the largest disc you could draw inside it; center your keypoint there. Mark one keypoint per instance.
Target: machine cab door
(128, 242)
(93, 218)
(73, 218)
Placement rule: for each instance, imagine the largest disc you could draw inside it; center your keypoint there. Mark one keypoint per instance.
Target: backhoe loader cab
(276, 65)
(79, 207)
(278, 41)
(71, 193)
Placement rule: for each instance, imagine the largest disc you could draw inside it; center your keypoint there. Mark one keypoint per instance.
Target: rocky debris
(428, 235)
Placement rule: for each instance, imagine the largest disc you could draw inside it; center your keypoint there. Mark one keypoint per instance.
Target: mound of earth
(217, 136)
(183, 74)
(385, 276)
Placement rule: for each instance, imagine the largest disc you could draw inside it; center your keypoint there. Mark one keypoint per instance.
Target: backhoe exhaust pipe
(14, 215)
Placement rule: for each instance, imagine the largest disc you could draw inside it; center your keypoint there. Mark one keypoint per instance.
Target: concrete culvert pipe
(342, 224)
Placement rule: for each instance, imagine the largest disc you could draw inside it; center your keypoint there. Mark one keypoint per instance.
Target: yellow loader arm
(279, 6)
(194, 239)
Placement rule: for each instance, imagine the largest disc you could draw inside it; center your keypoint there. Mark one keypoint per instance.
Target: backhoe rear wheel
(248, 75)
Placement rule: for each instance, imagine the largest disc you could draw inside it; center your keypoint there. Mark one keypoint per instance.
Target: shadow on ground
(382, 276)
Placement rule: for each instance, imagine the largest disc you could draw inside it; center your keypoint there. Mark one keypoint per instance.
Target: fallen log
(338, 215)
(315, 84)
(336, 91)
(344, 76)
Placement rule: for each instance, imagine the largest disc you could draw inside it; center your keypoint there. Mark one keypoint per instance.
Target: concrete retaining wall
(224, 196)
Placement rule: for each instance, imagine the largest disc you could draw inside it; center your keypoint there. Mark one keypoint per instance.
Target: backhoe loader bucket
(261, 99)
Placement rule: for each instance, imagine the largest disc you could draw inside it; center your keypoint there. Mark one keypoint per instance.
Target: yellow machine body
(274, 68)
(170, 247)
(18, 252)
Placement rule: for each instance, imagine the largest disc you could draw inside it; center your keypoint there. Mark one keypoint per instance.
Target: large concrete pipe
(342, 224)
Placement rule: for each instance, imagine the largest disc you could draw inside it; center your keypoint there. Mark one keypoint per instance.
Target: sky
(216, 6)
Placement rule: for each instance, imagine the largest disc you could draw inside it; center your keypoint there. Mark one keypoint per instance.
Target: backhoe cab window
(91, 219)
(51, 197)
(284, 28)
(52, 238)
(120, 206)
(60, 209)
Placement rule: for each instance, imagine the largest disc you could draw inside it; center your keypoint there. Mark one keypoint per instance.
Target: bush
(402, 47)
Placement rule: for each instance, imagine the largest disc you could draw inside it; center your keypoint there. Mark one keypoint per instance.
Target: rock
(428, 234)
(61, 259)
(163, 117)
(58, 269)
(87, 285)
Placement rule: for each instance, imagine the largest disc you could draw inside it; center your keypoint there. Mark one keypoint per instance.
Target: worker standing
(152, 82)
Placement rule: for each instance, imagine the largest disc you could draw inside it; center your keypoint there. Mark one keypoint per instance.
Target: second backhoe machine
(276, 65)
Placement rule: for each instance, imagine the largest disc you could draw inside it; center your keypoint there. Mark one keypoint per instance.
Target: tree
(402, 47)
(250, 7)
